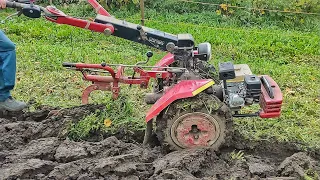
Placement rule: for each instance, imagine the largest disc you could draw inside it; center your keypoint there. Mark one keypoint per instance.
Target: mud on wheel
(200, 121)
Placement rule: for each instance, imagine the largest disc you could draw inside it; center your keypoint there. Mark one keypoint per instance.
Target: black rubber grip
(66, 64)
(267, 87)
(18, 5)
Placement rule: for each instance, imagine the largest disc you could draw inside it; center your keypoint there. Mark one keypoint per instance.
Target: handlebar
(15, 4)
(18, 5)
(55, 15)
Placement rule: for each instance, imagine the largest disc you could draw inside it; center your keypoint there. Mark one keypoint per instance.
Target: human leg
(5, 43)
(7, 82)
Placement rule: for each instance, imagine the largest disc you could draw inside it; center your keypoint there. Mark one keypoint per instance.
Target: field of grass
(291, 57)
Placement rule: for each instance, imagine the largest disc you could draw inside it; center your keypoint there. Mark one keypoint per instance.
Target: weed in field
(237, 155)
(117, 114)
(84, 128)
(310, 174)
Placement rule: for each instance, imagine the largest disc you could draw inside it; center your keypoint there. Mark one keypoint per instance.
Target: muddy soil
(35, 146)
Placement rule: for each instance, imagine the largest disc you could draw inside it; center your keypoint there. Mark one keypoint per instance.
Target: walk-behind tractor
(193, 102)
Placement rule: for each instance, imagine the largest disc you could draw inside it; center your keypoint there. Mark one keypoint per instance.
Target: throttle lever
(149, 55)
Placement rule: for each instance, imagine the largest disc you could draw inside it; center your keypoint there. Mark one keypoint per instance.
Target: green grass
(291, 57)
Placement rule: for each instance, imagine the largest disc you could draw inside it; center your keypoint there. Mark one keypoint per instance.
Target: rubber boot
(11, 104)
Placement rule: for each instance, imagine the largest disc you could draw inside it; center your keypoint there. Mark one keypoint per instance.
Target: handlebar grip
(15, 4)
(69, 65)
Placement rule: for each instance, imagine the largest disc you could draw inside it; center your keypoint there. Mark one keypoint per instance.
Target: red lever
(99, 9)
(61, 18)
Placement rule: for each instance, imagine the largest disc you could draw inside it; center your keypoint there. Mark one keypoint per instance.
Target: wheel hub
(195, 130)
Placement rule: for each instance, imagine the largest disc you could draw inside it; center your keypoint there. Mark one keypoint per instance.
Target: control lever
(149, 55)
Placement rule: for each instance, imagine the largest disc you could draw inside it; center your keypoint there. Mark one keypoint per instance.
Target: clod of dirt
(4, 121)
(299, 165)
(43, 148)
(126, 165)
(277, 178)
(36, 116)
(122, 165)
(260, 166)
(85, 177)
(260, 169)
(28, 169)
(72, 170)
(70, 151)
(16, 134)
(101, 159)
(174, 173)
(265, 148)
(130, 178)
(194, 161)
(239, 170)
(110, 146)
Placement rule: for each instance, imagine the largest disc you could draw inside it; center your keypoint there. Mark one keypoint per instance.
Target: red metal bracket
(102, 86)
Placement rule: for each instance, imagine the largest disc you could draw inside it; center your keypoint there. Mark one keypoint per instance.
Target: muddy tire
(200, 121)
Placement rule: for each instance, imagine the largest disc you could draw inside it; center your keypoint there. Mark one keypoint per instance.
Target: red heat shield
(271, 107)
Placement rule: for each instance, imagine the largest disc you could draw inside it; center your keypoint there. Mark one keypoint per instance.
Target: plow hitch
(106, 78)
